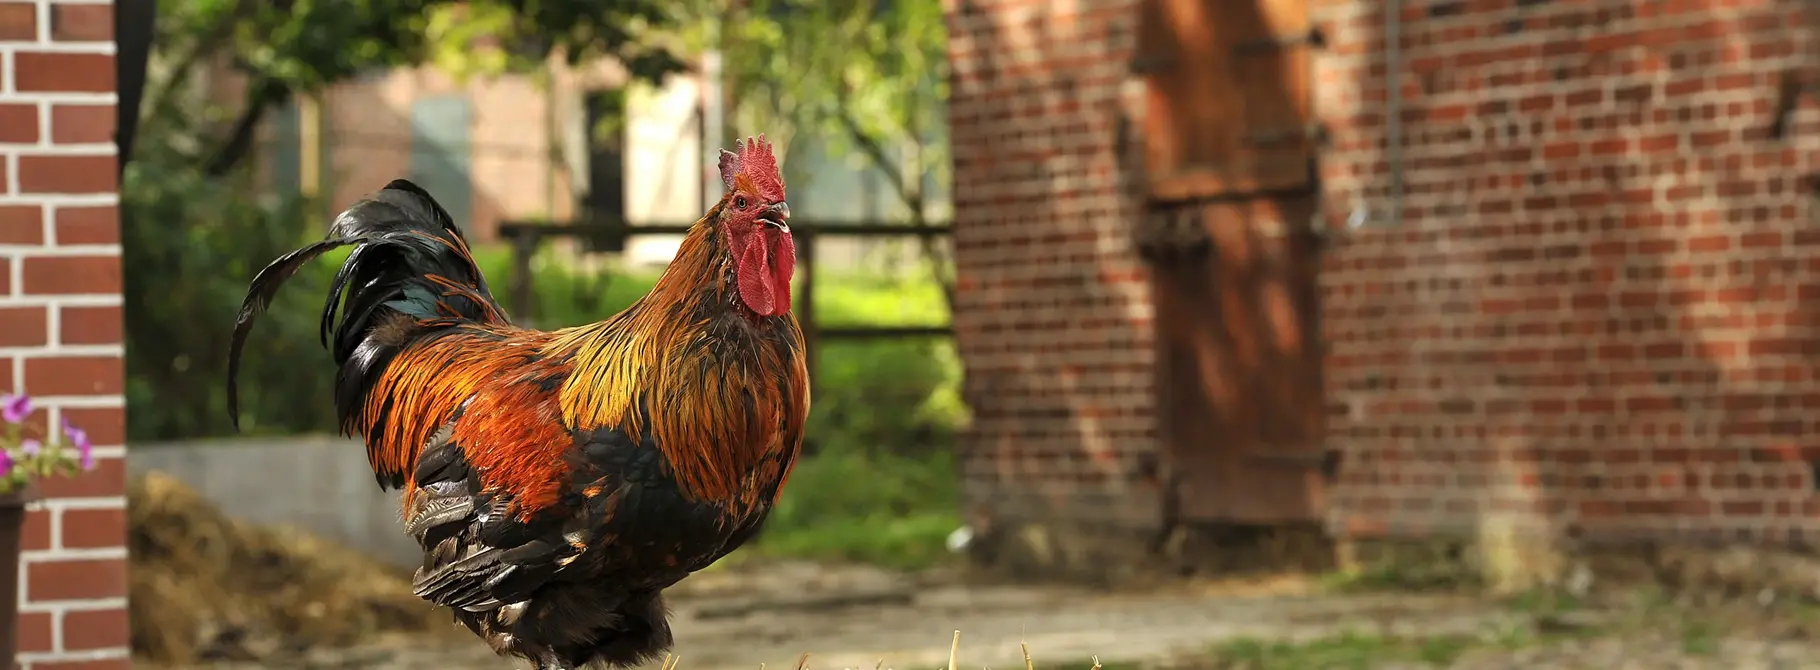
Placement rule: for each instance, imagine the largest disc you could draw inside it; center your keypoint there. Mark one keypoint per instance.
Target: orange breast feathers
(717, 416)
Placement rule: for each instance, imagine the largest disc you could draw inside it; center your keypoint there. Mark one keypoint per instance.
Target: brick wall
(1052, 313)
(1597, 316)
(60, 321)
(1594, 317)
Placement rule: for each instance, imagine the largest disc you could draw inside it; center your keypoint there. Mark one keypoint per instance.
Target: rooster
(559, 481)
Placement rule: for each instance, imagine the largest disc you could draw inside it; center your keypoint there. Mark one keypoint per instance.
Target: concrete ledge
(1505, 563)
(1040, 551)
(321, 485)
(1723, 572)
(1108, 555)
(1499, 558)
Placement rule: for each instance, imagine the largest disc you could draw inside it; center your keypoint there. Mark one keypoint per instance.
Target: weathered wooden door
(1232, 192)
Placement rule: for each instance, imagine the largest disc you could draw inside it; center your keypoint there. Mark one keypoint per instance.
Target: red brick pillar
(1053, 312)
(60, 318)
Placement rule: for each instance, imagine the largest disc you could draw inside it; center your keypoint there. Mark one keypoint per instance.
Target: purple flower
(14, 408)
(84, 449)
(6, 463)
(31, 447)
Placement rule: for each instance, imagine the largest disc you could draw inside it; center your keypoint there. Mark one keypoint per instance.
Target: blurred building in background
(1380, 269)
(558, 145)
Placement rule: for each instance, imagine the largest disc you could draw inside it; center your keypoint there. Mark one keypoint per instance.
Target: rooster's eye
(739, 202)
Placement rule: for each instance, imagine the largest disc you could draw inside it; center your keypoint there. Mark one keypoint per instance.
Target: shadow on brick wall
(1052, 315)
(1594, 323)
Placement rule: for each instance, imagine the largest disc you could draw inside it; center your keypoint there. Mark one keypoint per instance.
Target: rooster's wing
(621, 519)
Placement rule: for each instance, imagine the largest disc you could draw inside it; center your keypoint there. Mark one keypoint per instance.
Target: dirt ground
(853, 617)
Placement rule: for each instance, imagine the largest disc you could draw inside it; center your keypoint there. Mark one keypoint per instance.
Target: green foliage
(308, 44)
(611, 105)
(494, 36)
(190, 245)
(30, 453)
(1349, 650)
(565, 295)
(863, 81)
(293, 47)
(878, 483)
(868, 79)
(874, 506)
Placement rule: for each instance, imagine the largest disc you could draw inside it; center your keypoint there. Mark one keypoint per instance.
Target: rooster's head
(755, 223)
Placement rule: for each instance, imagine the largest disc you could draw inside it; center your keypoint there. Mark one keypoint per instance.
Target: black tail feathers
(409, 258)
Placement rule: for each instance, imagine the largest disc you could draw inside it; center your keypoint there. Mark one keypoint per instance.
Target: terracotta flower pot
(12, 524)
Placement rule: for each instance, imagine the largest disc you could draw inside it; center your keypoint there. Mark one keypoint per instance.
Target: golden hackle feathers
(716, 414)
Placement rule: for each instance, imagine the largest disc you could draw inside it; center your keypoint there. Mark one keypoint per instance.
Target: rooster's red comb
(756, 164)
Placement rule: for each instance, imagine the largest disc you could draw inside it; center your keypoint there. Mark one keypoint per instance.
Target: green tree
(868, 78)
(291, 47)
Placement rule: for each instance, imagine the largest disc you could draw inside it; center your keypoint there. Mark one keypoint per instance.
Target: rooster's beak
(777, 216)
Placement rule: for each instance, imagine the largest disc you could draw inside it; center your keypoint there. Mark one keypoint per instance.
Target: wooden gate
(1232, 191)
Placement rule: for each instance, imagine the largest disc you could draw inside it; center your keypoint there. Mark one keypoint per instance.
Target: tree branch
(911, 196)
(185, 65)
(874, 148)
(239, 143)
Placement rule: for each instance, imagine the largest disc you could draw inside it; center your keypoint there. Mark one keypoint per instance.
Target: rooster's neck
(701, 277)
(719, 379)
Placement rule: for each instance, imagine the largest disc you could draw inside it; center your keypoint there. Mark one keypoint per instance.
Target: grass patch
(1352, 651)
(1545, 602)
(1362, 651)
(1393, 577)
(1700, 638)
(875, 508)
(1348, 651)
(1096, 664)
(1548, 622)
